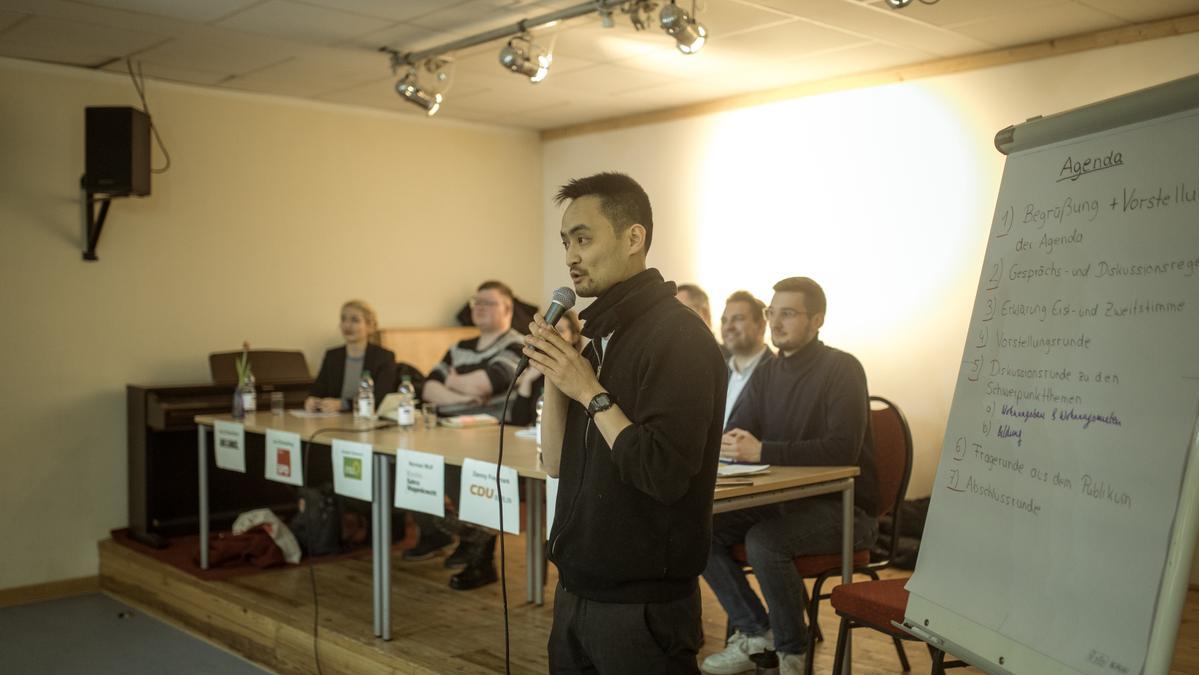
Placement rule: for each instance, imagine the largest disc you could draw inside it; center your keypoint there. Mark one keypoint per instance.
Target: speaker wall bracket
(93, 223)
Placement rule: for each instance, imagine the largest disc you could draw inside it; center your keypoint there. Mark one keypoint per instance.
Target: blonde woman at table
(341, 371)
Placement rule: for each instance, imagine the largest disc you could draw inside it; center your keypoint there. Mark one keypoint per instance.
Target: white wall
(883, 195)
(274, 212)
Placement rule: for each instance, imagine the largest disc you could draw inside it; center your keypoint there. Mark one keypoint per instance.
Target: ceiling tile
(316, 71)
(219, 50)
(1037, 24)
(1144, 10)
(603, 80)
(10, 18)
(303, 23)
(946, 12)
(729, 16)
(469, 17)
(172, 73)
(184, 10)
(402, 36)
(596, 43)
(61, 41)
(883, 25)
(387, 9)
(857, 59)
(787, 40)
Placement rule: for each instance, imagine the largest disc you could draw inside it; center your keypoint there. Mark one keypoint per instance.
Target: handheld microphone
(562, 300)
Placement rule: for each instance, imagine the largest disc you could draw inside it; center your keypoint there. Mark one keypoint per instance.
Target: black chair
(893, 468)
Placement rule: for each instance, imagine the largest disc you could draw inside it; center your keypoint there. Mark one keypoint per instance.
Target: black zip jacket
(812, 409)
(634, 522)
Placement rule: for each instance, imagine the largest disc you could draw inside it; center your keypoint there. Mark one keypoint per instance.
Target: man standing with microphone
(632, 427)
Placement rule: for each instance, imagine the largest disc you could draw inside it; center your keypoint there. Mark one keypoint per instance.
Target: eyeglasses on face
(483, 302)
(786, 314)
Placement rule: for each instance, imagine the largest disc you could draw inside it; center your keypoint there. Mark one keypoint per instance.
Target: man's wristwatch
(601, 402)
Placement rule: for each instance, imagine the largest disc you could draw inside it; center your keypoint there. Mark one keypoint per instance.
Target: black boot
(480, 571)
(430, 544)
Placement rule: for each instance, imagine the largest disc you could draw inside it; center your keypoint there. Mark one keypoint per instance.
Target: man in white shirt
(743, 329)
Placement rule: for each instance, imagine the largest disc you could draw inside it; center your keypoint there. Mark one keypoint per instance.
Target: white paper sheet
(229, 439)
(420, 482)
(353, 469)
(1072, 417)
(479, 500)
(283, 461)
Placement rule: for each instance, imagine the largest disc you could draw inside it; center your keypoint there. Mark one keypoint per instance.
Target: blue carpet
(96, 634)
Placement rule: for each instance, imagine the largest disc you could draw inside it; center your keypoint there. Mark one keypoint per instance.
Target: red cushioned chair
(893, 468)
(875, 604)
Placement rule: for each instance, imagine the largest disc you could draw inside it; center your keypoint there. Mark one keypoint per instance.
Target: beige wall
(883, 195)
(273, 213)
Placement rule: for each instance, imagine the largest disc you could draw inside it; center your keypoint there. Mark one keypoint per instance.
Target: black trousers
(609, 637)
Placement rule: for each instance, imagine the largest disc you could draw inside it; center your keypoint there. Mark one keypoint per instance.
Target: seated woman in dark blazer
(336, 384)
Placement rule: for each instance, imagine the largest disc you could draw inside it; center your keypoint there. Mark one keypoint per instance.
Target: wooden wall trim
(1151, 30)
(65, 588)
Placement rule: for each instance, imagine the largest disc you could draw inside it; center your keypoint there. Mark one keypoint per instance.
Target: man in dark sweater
(807, 407)
(632, 426)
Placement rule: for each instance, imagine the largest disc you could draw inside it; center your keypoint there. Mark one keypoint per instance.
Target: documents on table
(230, 445)
(352, 469)
(731, 470)
(299, 412)
(468, 421)
(420, 482)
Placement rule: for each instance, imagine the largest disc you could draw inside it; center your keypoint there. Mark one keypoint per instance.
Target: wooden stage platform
(267, 618)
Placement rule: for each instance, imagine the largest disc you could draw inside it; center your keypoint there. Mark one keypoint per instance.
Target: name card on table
(352, 469)
(283, 457)
(229, 439)
(420, 482)
(551, 504)
(478, 502)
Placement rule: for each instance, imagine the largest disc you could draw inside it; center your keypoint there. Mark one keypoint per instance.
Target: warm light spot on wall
(878, 194)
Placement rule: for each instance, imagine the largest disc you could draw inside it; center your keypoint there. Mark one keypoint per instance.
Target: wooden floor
(268, 618)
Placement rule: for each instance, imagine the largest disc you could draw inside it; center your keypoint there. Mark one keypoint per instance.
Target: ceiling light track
(524, 57)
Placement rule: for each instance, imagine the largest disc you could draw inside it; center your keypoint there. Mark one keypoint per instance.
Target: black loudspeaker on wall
(117, 148)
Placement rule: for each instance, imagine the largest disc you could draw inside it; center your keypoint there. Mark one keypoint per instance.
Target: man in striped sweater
(473, 372)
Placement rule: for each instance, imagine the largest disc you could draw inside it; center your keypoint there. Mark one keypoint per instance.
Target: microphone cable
(499, 493)
(316, 605)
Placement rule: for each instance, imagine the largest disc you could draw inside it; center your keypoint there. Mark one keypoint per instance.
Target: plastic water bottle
(364, 407)
(540, 405)
(406, 412)
(247, 397)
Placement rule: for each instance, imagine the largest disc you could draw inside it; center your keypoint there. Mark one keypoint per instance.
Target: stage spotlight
(521, 56)
(412, 92)
(899, 4)
(689, 34)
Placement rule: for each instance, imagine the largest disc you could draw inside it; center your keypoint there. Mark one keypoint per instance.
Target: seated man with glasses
(807, 407)
(473, 372)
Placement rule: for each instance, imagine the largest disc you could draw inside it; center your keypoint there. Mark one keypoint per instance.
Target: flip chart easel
(1066, 505)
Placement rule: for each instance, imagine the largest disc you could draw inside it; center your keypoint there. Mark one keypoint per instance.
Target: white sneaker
(792, 664)
(735, 657)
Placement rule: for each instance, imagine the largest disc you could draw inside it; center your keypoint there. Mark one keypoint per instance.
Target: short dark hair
(813, 294)
(497, 286)
(622, 200)
(759, 307)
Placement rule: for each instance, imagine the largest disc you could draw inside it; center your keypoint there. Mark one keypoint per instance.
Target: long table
(457, 445)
